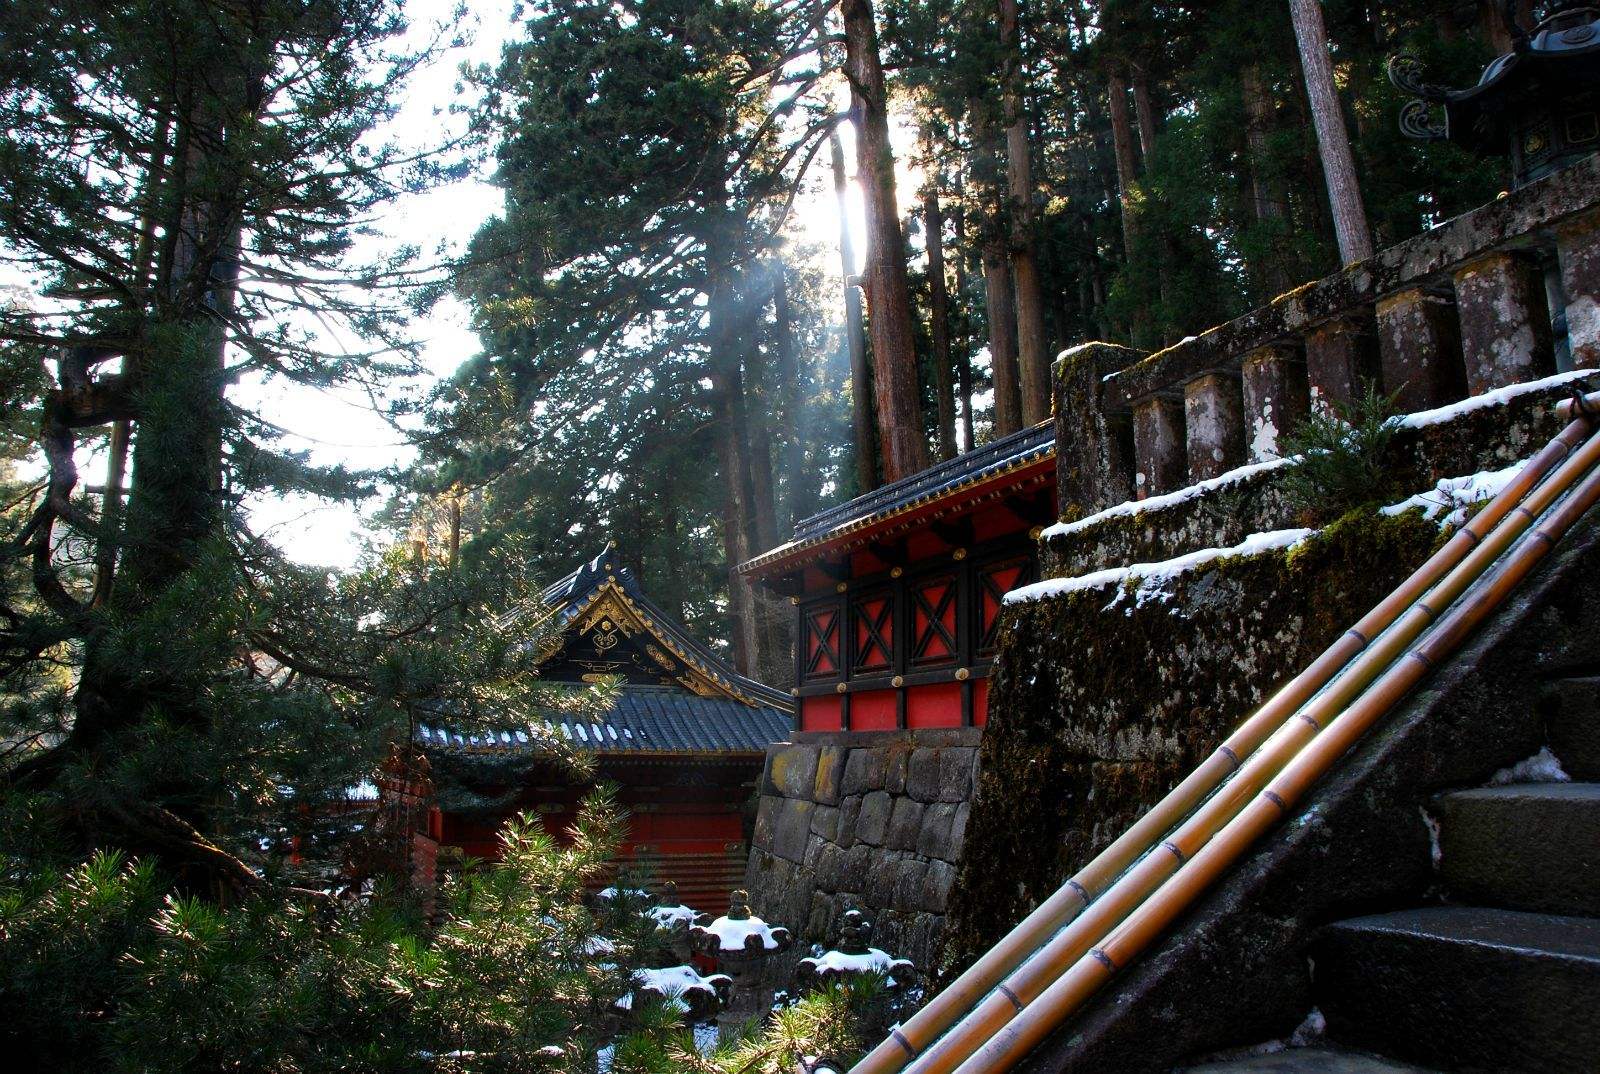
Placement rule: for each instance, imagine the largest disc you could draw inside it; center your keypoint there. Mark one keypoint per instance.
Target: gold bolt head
(897, 681)
(962, 674)
(895, 572)
(959, 554)
(841, 587)
(840, 688)
(1035, 533)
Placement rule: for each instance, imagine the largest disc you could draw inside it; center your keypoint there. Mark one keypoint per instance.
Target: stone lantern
(1539, 104)
(741, 943)
(673, 921)
(855, 958)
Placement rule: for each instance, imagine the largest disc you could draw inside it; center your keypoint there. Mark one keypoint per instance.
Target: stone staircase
(1500, 969)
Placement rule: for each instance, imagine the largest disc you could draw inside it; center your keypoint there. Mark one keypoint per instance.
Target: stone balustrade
(1507, 293)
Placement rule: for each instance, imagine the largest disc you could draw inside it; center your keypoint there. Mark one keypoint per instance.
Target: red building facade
(684, 743)
(897, 592)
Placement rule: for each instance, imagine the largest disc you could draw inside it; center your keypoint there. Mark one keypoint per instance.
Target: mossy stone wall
(1485, 438)
(1101, 702)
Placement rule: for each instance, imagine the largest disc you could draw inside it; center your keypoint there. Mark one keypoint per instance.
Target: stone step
(1464, 988)
(1532, 846)
(1318, 1060)
(1572, 723)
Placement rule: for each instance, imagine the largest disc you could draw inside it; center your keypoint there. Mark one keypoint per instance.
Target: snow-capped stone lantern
(698, 998)
(854, 957)
(1538, 103)
(674, 920)
(741, 943)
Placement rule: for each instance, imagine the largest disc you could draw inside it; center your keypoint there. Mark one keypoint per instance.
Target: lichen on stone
(1098, 709)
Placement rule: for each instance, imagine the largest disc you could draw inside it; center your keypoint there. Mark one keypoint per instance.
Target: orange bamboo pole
(1080, 935)
(1069, 991)
(981, 979)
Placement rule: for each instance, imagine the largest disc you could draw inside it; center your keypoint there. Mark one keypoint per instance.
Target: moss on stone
(1101, 703)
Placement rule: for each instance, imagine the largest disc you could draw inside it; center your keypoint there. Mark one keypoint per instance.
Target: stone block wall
(871, 820)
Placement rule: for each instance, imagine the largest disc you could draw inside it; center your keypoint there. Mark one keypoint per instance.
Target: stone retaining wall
(867, 820)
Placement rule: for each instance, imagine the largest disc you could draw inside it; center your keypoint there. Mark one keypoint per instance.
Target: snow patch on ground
(1151, 578)
(1453, 497)
(1170, 499)
(1498, 397)
(1542, 767)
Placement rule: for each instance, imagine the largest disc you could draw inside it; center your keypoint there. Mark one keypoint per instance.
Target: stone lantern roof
(1538, 103)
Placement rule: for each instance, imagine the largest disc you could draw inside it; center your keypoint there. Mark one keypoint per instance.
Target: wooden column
(1578, 247)
(1419, 344)
(1338, 359)
(1214, 421)
(1158, 448)
(1275, 398)
(1505, 331)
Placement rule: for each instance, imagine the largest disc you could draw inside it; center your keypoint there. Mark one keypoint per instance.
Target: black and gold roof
(676, 695)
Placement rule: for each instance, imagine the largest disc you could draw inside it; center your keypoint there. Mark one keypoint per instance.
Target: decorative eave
(982, 480)
(602, 599)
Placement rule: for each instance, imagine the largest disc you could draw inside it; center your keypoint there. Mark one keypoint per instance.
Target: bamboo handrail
(1161, 862)
(1085, 976)
(983, 980)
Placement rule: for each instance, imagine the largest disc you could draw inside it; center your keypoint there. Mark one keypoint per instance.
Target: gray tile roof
(643, 719)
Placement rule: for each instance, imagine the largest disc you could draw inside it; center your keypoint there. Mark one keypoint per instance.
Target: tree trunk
(798, 490)
(1000, 299)
(903, 449)
(1267, 201)
(1498, 32)
(1145, 110)
(963, 345)
(727, 389)
(939, 315)
(1033, 355)
(1338, 166)
(757, 414)
(1127, 165)
(863, 427)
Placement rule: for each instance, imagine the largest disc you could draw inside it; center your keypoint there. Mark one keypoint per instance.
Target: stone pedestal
(1419, 345)
(1214, 420)
(1339, 357)
(1578, 247)
(1505, 332)
(1275, 398)
(1093, 467)
(1158, 447)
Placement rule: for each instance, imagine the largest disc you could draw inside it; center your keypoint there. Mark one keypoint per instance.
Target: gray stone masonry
(868, 820)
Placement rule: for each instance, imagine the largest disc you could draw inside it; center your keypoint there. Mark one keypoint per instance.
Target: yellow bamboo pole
(981, 979)
(1035, 974)
(1085, 976)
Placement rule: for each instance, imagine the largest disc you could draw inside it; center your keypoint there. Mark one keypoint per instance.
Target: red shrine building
(897, 592)
(684, 742)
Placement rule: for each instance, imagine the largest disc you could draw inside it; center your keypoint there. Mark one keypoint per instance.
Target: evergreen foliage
(1343, 454)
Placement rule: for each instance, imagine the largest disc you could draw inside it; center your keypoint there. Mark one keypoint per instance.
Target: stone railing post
(1419, 344)
(1158, 446)
(1578, 248)
(1093, 470)
(1338, 359)
(1275, 398)
(1214, 423)
(1505, 330)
